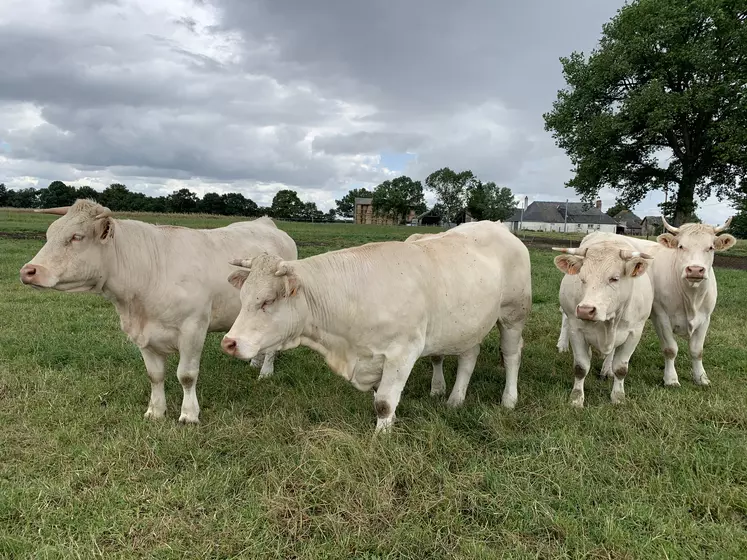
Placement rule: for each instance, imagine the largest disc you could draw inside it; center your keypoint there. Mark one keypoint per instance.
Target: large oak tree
(660, 104)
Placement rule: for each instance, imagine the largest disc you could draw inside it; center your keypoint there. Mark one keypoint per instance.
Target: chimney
(599, 204)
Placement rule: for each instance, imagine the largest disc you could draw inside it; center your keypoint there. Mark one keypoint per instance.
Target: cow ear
(636, 266)
(724, 242)
(237, 278)
(291, 286)
(104, 229)
(569, 264)
(667, 240)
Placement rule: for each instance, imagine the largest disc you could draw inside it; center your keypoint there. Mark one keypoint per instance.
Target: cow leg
(466, 366)
(155, 365)
(512, 344)
(697, 341)
(191, 342)
(607, 366)
(393, 378)
(563, 338)
(581, 365)
(668, 346)
(620, 362)
(438, 384)
(268, 366)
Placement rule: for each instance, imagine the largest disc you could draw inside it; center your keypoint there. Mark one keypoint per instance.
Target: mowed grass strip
(288, 467)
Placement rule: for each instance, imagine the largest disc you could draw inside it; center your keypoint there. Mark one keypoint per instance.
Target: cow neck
(327, 303)
(692, 296)
(611, 327)
(130, 263)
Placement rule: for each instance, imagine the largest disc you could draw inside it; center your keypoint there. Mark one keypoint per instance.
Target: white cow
(685, 289)
(167, 283)
(605, 296)
(373, 310)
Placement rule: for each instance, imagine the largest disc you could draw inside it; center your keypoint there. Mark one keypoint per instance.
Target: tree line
(456, 194)
(286, 205)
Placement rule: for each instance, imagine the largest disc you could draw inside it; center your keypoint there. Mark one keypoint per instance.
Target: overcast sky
(319, 96)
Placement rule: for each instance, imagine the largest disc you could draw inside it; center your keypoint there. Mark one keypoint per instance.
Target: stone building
(364, 214)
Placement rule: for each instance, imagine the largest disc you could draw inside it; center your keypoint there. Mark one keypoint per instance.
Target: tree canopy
(489, 202)
(660, 104)
(397, 197)
(451, 190)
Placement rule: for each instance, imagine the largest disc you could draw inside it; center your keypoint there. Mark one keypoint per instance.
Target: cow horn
(59, 211)
(627, 255)
(578, 251)
(105, 213)
(670, 229)
(282, 269)
(719, 229)
(243, 263)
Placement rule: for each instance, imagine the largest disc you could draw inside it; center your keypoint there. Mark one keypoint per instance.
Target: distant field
(24, 221)
(287, 467)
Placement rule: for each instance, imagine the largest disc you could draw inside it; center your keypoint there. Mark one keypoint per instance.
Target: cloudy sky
(319, 96)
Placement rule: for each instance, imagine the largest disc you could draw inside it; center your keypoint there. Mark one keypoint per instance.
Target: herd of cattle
(436, 295)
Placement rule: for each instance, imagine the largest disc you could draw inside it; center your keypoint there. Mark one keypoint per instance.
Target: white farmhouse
(550, 216)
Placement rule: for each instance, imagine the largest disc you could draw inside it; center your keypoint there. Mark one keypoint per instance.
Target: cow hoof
(455, 402)
(577, 399)
(703, 381)
(562, 349)
(152, 414)
(617, 398)
(438, 391)
(509, 401)
(188, 419)
(265, 374)
(256, 362)
(674, 384)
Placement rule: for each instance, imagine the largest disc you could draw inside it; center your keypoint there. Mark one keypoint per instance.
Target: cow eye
(711, 248)
(267, 302)
(614, 279)
(76, 237)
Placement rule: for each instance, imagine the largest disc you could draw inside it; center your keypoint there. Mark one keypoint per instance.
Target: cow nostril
(587, 310)
(229, 345)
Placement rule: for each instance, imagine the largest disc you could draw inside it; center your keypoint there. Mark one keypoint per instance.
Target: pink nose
(228, 345)
(586, 312)
(695, 272)
(28, 274)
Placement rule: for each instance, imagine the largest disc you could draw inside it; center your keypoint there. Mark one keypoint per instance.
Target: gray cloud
(258, 95)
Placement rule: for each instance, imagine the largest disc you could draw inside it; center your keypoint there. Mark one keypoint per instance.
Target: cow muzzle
(237, 348)
(35, 275)
(695, 273)
(587, 312)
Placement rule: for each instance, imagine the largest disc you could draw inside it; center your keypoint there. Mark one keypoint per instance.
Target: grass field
(288, 467)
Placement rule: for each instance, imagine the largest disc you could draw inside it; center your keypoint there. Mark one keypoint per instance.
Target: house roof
(554, 212)
(655, 220)
(630, 219)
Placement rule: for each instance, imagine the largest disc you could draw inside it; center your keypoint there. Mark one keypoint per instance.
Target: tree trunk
(685, 206)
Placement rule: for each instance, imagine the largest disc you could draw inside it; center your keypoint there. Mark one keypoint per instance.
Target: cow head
(695, 245)
(71, 260)
(272, 309)
(607, 275)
